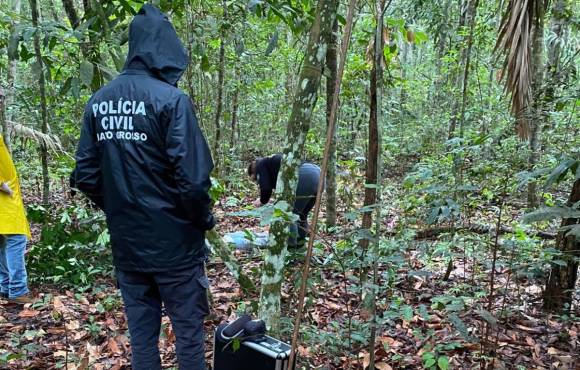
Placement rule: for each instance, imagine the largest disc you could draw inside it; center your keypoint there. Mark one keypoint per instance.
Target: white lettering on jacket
(116, 119)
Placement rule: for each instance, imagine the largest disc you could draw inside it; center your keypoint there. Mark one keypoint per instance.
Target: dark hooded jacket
(142, 157)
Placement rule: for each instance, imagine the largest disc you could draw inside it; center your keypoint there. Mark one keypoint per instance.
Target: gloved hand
(208, 223)
(5, 188)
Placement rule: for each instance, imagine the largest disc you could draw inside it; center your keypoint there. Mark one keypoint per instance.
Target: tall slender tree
(11, 77)
(373, 143)
(467, 22)
(377, 95)
(220, 90)
(43, 104)
(235, 108)
(562, 279)
(331, 65)
(3, 123)
(298, 126)
(536, 111)
(71, 13)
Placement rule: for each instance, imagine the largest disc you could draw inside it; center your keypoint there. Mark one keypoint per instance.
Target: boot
(23, 299)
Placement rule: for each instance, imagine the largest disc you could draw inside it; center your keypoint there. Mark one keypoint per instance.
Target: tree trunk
(536, 112)
(11, 79)
(562, 279)
(441, 40)
(90, 50)
(358, 122)
(298, 126)
(561, 17)
(234, 121)
(71, 13)
(465, 80)
(43, 105)
(458, 111)
(3, 123)
(220, 91)
(113, 48)
(376, 95)
(372, 154)
(331, 65)
(225, 253)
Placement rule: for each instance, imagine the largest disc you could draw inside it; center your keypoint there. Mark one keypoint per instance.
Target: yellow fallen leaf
(553, 351)
(382, 366)
(57, 304)
(73, 325)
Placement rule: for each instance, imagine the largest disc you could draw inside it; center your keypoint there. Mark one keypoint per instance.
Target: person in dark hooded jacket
(144, 161)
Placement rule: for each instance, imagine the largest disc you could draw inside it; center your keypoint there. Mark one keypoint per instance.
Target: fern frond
(48, 141)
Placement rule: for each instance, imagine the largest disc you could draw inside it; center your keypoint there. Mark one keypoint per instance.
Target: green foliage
(435, 179)
(433, 360)
(461, 327)
(73, 247)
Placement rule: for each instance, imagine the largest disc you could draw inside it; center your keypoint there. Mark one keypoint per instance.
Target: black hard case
(263, 353)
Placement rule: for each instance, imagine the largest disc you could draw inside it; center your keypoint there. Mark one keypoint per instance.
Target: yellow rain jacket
(12, 214)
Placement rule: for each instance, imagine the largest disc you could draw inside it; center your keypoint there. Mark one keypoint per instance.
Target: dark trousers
(299, 229)
(184, 295)
(308, 178)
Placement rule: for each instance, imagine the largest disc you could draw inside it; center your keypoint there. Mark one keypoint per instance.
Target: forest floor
(86, 329)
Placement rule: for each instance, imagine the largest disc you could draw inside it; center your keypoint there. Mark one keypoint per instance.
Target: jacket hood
(154, 45)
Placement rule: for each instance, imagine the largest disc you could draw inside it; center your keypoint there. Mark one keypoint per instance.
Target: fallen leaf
(111, 325)
(303, 351)
(114, 347)
(28, 313)
(57, 304)
(84, 365)
(80, 334)
(553, 351)
(73, 325)
(530, 330)
(382, 366)
(366, 359)
(55, 330)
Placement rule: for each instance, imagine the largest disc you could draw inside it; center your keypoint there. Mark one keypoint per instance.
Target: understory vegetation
(449, 232)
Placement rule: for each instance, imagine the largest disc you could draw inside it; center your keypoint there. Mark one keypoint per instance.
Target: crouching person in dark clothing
(144, 161)
(264, 171)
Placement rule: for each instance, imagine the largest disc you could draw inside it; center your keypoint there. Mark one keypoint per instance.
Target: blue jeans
(184, 295)
(12, 268)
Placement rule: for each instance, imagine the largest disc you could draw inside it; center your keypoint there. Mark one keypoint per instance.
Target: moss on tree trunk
(298, 125)
(225, 253)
